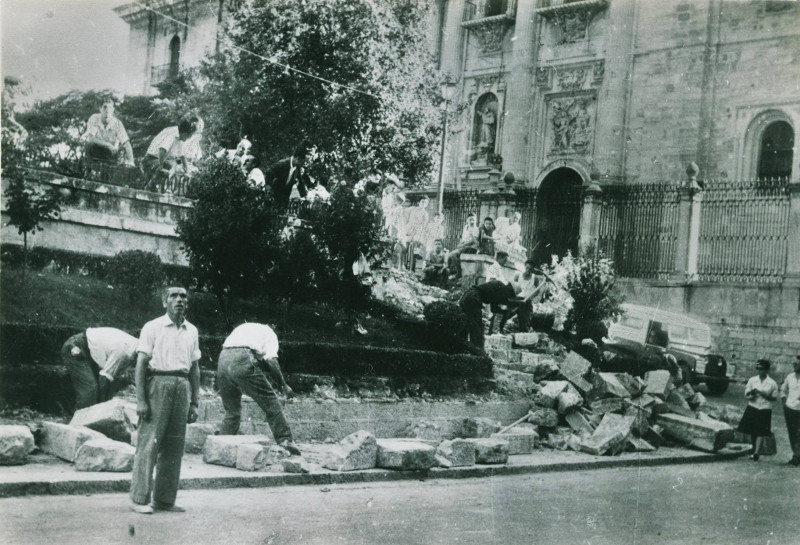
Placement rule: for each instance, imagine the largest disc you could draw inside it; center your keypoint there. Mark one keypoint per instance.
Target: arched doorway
(558, 215)
(174, 56)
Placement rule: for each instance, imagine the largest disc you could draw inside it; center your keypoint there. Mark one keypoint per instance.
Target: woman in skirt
(760, 391)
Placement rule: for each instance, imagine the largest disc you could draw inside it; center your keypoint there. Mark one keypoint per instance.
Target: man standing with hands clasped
(790, 394)
(167, 385)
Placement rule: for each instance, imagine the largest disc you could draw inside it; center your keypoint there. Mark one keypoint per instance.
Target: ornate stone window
(776, 151)
(570, 18)
(489, 21)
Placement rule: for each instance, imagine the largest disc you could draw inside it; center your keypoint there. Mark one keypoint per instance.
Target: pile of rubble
(404, 290)
(607, 413)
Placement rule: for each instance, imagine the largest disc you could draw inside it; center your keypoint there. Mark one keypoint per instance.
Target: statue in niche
(582, 130)
(561, 125)
(485, 126)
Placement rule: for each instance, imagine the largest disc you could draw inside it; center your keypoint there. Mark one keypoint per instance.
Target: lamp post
(448, 88)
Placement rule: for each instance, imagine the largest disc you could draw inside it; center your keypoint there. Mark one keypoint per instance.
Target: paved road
(736, 502)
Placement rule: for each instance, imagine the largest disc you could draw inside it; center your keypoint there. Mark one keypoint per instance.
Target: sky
(58, 45)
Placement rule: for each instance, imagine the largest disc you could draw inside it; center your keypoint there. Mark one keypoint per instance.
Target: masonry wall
(103, 220)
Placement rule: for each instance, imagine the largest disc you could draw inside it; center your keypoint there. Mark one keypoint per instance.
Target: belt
(156, 373)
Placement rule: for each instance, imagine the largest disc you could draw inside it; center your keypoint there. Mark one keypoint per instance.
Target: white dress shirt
(767, 386)
(257, 337)
(110, 348)
(790, 391)
(170, 347)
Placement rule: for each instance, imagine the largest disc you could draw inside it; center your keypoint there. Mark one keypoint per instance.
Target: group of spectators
(167, 378)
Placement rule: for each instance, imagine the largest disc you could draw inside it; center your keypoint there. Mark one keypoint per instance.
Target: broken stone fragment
(457, 452)
(607, 405)
(64, 440)
(526, 340)
(490, 451)
(405, 455)
(568, 401)
(634, 385)
(544, 418)
(578, 423)
(548, 396)
(196, 437)
(358, 450)
(697, 401)
(610, 436)
(16, 442)
(223, 449)
(707, 435)
(112, 418)
(641, 419)
(608, 385)
(685, 391)
(659, 383)
(104, 455)
(520, 440)
(252, 457)
(637, 444)
(295, 465)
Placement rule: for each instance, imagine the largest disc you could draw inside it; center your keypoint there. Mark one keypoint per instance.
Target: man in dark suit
(282, 175)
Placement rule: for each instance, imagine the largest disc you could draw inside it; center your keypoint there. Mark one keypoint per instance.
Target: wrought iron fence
(457, 205)
(525, 203)
(744, 231)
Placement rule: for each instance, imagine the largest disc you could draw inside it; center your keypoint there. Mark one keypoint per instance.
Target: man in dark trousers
(248, 351)
(167, 387)
(493, 292)
(282, 175)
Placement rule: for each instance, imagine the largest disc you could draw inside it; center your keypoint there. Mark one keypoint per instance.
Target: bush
(135, 272)
(445, 317)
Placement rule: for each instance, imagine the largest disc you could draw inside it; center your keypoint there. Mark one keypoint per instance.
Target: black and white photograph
(400, 272)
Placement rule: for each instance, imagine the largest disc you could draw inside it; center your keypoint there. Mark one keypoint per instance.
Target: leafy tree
(378, 47)
(136, 273)
(27, 205)
(231, 235)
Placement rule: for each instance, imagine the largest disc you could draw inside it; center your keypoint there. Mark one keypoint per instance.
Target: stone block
(295, 465)
(525, 340)
(654, 435)
(575, 368)
(64, 440)
(678, 404)
(457, 453)
(104, 455)
(109, 418)
(276, 454)
(560, 439)
(706, 435)
(358, 450)
(490, 451)
(729, 414)
(634, 385)
(578, 423)
(697, 401)
(16, 442)
(641, 419)
(637, 444)
(405, 455)
(610, 436)
(608, 385)
(659, 383)
(545, 369)
(685, 391)
(607, 405)
(223, 449)
(568, 402)
(252, 457)
(520, 440)
(196, 437)
(544, 418)
(499, 342)
(548, 396)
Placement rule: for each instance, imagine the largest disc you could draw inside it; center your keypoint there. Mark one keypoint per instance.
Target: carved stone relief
(571, 125)
(571, 79)
(573, 25)
(490, 36)
(543, 77)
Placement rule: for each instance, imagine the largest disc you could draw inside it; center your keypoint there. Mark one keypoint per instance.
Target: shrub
(445, 317)
(135, 272)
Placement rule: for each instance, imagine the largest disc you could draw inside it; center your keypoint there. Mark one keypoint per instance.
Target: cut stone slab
(730, 414)
(358, 450)
(252, 457)
(405, 455)
(544, 418)
(568, 402)
(525, 340)
(697, 401)
(223, 449)
(610, 436)
(196, 435)
(457, 452)
(452, 428)
(637, 444)
(654, 435)
(104, 455)
(634, 385)
(520, 440)
(659, 383)
(578, 423)
(548, 396)
(109, 418)
(706, 435)
(490, 451)
(608, 385)
(685, 391)
(607, 405)
(64, 440)
(16, 442)
(677, 404)
(295, 465)
(641, 419)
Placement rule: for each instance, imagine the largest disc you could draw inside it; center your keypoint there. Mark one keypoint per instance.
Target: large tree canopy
(375, 46)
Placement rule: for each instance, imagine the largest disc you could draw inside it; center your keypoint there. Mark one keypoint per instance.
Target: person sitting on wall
(165, 155)
(435, 272)
(485, 237)
(106, 138)
(468, 244)
(95, 358)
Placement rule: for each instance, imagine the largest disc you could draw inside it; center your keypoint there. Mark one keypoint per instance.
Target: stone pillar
(590, 216)
(691, 199)
(792, 275)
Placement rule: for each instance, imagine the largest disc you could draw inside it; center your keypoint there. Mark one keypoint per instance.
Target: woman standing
(760, 391)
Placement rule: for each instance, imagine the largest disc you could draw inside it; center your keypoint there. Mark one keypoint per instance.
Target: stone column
(792, 274)
(590, 216)
(691, 199)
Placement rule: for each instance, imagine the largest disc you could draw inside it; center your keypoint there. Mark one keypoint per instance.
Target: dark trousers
(435, 275)
(160, 441)
(454, 260)
(82, 370)
(472, 306)
(793, 427)
(237, 373)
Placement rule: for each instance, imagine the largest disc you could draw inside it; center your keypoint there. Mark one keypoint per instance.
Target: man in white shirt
(106, 138)
(468, 244)
(790, 394)
(246, 353)
(167, 387)
(95, 358)
(166, 154)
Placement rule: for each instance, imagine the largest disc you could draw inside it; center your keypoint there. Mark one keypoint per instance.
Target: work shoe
(170, 508)
(141, 509)
(794, 462)
(755, 456)
(291, 447)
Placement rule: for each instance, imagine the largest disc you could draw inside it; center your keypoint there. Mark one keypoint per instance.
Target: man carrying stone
(106, 138)
(167, 386)
(95, 357)
(493, 292)
(248, 350)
